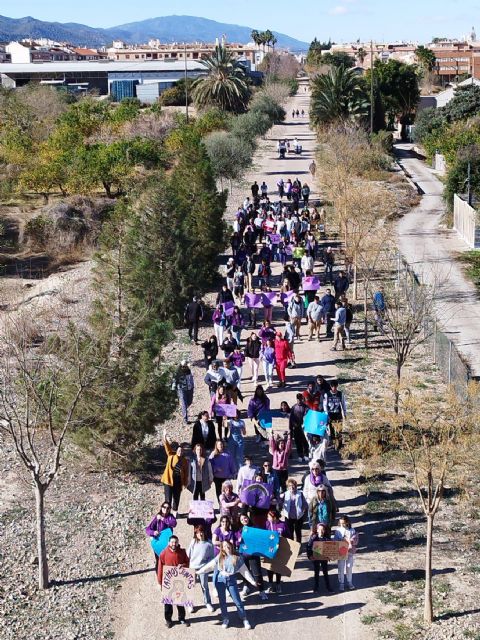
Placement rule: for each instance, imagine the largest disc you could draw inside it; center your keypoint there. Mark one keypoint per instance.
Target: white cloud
(339, 10)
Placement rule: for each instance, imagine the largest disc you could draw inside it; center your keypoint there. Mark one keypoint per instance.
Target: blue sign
(259, 542)
(315, 423)
(265, 419)
(161, 541)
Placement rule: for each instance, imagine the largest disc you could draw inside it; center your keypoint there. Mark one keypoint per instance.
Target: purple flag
(256, 494)
(286, 297)
(275, 238)
(228, 308)
(268, 298)
(253, 300)
(229, 410)
(311, 284)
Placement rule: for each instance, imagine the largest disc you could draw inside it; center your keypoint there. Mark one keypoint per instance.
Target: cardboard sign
(259, 542)
(330, 550)
(201, 509)
(228, 308)
(269, 298)
(229, 410)
(311, 284)
(275, 238)
(253, 301)
(160, 543)
(256, 494)
(286, 297)
(285, 558)
(178, 586)
(315, 423)
(269, 225)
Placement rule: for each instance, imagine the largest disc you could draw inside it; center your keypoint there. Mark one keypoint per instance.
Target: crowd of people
(288, 232)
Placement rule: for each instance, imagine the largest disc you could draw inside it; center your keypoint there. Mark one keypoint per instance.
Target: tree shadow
(457, 614)
(91, 579)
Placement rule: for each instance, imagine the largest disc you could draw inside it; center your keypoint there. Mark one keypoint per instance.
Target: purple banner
(269, 298)
(286, 297)
(275, 238)
(228, 308)
(311, 284)
(229, 410)
(256, 494)
(253, 300)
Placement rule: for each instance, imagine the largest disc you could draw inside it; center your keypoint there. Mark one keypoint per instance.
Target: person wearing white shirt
(246, 472)
(346, 532)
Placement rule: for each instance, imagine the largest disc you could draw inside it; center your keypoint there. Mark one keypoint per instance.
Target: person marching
(335, 405)
(176, 474)
(163, 520)
(320, 535)
(172, 556)
(345, 531)
(275, 524)
(200, 552)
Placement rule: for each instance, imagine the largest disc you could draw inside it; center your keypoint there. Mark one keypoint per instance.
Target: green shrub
(251, 125)
(266, 104)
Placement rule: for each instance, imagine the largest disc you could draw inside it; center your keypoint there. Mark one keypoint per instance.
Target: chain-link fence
(442, 350)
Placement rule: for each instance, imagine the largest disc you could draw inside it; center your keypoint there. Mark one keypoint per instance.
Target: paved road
(297, 611)
(431, 250)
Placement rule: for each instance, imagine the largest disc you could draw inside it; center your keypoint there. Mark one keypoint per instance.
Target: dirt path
(137, 612)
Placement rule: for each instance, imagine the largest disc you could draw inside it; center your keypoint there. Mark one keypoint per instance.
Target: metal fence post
(435, 341)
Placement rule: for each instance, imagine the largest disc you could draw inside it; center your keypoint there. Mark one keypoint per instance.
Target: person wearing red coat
(283, 354)
(312, 398)
(172, 556)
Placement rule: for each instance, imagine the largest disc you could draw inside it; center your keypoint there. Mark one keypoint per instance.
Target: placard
(285, 558)
(178, 586)
(315, 422)
(275, 238)
(160, 543)
(311, 283)
(268, 298)
(228, 409)
(256, 494)
(330, 549)
(253, 301)
(201, 509)
(259, 542)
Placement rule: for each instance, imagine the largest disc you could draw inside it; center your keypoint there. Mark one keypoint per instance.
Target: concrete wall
(466, 223)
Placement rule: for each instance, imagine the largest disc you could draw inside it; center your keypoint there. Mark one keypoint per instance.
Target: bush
(264, 103)
(251, 125)
(457, 178)
(229, 155)
(212, 120)
(175, 96)
(383, 142)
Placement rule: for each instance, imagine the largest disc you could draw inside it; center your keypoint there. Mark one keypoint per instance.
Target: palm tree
(255, 35)
(225, 85)
(425, 57)
(338, 96)
(361, 55)
(268, 35)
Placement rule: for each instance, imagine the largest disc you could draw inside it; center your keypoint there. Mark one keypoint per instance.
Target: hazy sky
(342, 20)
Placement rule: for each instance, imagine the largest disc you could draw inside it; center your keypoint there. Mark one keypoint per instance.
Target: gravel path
(137, 612)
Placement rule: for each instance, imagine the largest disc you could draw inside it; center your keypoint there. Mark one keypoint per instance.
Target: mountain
(16, 29)
(166, 29)
(190, 28)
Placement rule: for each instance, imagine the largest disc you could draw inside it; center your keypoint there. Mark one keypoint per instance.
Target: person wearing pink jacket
(280, 449)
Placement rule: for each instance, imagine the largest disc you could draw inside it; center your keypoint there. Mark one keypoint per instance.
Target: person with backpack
(335, 405)
(193, 315)
(175, 476)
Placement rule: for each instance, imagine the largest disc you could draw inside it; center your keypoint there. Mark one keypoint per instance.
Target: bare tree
(435, 440)
(407, 309)
(42, 379)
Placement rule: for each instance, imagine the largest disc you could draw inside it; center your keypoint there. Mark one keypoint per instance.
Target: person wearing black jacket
(297, 414)
(292, 276)
(204, 432)
(341, 284)
(210, 350)
(229, 345)
(225, 295)
(328, 311)
(192, 316)
(248, 268)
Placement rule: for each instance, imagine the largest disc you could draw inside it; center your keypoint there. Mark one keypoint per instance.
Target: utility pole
(186, 76)
(371, 87)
